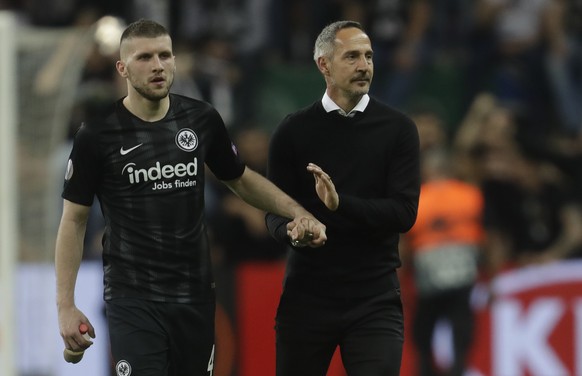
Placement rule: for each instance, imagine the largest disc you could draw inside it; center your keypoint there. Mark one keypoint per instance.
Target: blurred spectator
(528, 53)
(237, 235)
(185, 78)
(450, 26)
(98, 86)
(510, 43)
(528, 216)
(240, 231)
(398, 29)
(216, 74)
(297, 24)
(564, 63)
(486, 125)
(251, 47)
(431, 126)
(565, 152)
(443, 249)
(531, 212)
(231, 40)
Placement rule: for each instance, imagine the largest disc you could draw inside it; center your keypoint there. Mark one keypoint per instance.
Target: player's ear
(120, 66)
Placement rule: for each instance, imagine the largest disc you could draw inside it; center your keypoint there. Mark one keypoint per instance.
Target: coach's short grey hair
(325, 42)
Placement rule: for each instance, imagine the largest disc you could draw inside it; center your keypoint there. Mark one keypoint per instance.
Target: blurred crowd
(512, 141)
(526, 55)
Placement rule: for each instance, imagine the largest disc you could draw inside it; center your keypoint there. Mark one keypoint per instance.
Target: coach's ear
(120, 66)
(322, 65)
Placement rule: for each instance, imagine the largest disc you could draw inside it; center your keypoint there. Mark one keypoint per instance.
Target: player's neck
(145, 109)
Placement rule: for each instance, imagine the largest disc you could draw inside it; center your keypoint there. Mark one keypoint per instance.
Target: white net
(50, 66)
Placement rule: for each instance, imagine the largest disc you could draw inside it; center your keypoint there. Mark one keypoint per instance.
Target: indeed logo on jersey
(163, 172)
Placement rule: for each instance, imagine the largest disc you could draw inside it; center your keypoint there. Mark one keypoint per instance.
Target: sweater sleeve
(277, 227)
(398, 210)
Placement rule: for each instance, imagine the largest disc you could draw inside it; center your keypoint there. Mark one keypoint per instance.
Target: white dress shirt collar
(329, 105)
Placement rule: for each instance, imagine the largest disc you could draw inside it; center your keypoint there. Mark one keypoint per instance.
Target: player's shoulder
(182, 102)
(195, 110)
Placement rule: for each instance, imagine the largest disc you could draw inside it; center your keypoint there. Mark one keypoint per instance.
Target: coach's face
(148, 64)
(350, 69)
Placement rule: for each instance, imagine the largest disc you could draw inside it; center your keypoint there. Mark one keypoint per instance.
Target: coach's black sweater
(373, 160)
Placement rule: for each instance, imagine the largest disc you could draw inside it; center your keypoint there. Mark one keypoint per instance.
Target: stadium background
(251, 59)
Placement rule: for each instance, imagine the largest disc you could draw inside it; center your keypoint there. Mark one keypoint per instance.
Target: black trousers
(161, 339)
(369, 332)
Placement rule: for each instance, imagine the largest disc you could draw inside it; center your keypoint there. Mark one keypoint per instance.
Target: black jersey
(149, 179)
(373, 159)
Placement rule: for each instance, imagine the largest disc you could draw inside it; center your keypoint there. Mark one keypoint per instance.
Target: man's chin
(154, 95)
(360, 91)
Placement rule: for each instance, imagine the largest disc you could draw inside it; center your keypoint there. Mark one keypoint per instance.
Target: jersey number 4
(210, 368)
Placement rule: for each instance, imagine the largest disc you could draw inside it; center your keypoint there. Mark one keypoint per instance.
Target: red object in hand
(76, 356)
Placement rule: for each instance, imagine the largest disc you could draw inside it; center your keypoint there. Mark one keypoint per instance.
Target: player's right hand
(306, 231)
(70, 318)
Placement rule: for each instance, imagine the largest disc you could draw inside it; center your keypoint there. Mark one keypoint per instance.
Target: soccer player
(347, 293)
(145, 161)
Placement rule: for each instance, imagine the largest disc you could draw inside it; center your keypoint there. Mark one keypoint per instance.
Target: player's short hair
(325, 42)
(143, 29)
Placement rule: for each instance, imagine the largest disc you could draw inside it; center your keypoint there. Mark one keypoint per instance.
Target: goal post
(8, 199)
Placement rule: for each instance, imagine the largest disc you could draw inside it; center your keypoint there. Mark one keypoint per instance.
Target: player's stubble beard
(154, 95)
